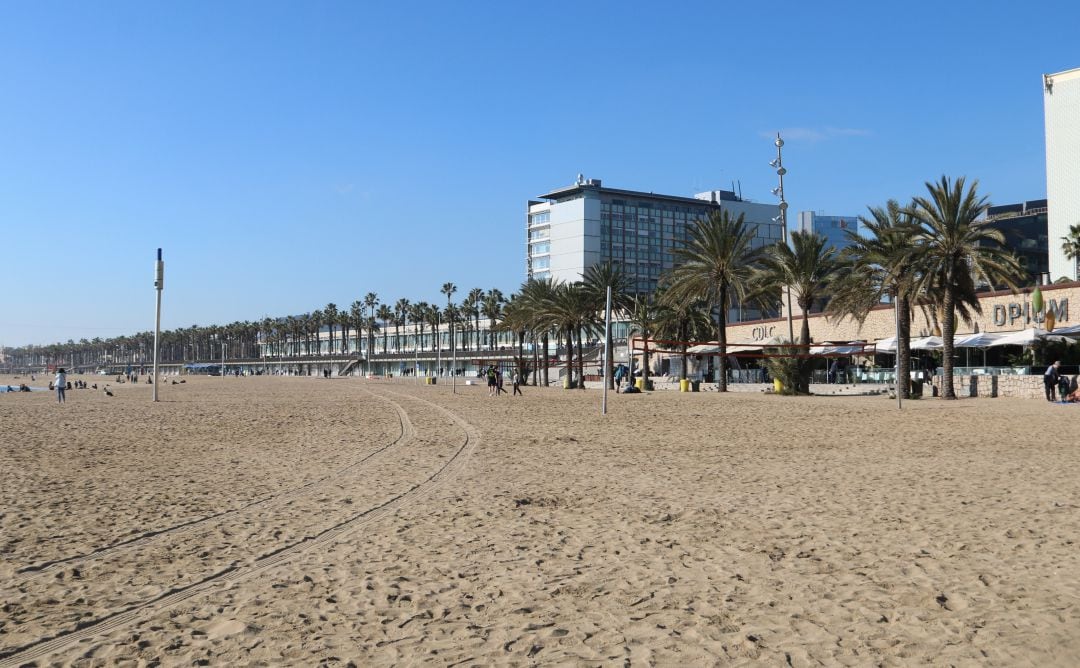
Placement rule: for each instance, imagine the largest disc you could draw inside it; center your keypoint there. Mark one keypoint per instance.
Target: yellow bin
(639, 383)
(777, 386)
(684, 385)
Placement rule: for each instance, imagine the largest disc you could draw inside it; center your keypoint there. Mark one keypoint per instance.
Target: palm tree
(537, 300)
(434, 317)
(683, 321)
(809, 267)
(716, 265)
(356, 316)
(882, 266)
(418, 315)
(449, 289)
(517, 319)
(1071, 246)
(471, 304)
(371, 300)
(569, 313)
(644, 320)
(598, 278)
(491, 307)
(331, 314)
(401, 311)
(315, 323)
(957, 251)
(386, 315)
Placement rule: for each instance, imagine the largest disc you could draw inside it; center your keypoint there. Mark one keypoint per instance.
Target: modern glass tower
(573, 228)
(1061, 104)
(1024, 227)
(833, 228)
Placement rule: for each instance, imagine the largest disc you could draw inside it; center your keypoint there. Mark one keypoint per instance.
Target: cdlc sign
(1010, 313)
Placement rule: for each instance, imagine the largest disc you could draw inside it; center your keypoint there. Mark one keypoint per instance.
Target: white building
(573, 228)
(1061, 101)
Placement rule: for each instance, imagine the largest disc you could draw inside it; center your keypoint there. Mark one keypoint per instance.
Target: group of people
(495, 381)
(1055, 381)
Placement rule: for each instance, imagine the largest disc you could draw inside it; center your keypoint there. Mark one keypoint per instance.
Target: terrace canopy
(1027, 337)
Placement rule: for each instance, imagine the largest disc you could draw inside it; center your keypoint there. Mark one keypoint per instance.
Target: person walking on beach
(61, 386)
(499, 382)
(491, 380)
(517, 383)
(1051, 378)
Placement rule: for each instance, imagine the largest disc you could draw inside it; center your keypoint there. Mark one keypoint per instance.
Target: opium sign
(1009, 313)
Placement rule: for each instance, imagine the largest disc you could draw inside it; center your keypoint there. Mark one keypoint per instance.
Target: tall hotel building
(573, 228)
(1061, 103)
(833, 228)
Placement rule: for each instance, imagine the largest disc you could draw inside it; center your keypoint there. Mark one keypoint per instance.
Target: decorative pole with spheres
(778, 164)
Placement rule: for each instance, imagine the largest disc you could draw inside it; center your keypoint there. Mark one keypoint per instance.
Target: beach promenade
(303, 521)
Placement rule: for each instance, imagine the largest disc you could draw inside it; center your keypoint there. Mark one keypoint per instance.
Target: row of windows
(540, 248)
(665, 208)
(540, 234)
(542, 262)
(539, 218)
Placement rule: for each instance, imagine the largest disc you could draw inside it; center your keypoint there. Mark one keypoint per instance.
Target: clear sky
(287, 155)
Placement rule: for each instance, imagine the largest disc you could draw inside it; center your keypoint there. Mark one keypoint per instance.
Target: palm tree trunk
(804, 343)
(903, 345)
(569, 358)
(580, 362)
(645, 362)
(948, 325)
(609, 363)
(545, 359)
(721, 340)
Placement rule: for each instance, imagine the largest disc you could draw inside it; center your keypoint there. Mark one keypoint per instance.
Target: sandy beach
(302, 521)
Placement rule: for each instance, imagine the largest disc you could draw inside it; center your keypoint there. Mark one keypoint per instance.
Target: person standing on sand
(491, 380)
(1051, 378)
(517, 383)
(61, 386)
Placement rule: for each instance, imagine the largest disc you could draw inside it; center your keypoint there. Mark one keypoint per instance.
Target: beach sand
(296, 521)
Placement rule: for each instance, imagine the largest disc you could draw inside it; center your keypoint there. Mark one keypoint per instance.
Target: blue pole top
(159, 255)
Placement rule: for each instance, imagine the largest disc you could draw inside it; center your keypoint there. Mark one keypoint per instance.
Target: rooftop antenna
(740, 190)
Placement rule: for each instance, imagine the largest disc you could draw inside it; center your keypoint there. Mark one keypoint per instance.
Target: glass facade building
(1024, 226)
(833, 228)
(574, 228)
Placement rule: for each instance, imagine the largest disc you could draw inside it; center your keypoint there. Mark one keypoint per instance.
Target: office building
(833, 228)
(1061, 104)
(573, 228)
(1024, 226)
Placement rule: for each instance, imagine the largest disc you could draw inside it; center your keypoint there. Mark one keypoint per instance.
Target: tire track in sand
(27, 573)
(43, 647)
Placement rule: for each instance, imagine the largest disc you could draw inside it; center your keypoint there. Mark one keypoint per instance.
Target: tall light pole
(778, 163)
(159, 283)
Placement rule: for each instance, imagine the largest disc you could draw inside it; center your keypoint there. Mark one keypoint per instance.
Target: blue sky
(286, 155)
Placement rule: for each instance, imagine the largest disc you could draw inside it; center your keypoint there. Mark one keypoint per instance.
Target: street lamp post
(778, 163)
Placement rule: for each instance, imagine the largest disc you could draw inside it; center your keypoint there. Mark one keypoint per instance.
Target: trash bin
(434, 380)
(695, 386)
(684, 385)
(777, 386)
(639, 383)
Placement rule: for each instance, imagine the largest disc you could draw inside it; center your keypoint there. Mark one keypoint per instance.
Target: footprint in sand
(225, 627)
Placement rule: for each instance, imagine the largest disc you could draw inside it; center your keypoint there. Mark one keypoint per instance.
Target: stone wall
(986, 387)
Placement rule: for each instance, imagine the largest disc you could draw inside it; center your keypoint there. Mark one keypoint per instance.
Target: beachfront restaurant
(1002, 352)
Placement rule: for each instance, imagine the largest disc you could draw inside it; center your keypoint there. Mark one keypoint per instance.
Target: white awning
(977, 340)
(1027, 337)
